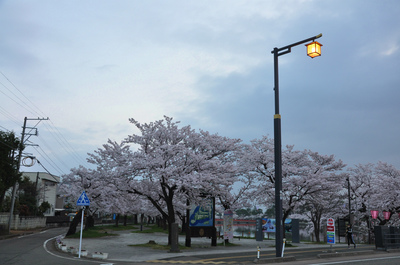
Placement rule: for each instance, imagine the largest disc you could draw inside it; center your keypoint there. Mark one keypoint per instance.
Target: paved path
(119, 248)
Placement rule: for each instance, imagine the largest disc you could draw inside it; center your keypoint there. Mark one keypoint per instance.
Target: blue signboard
(202, 215)
(330, 238)
(268, 225)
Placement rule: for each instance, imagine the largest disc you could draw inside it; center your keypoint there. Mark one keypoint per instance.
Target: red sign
(330, 231)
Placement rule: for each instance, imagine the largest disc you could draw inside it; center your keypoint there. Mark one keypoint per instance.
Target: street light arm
(287, 48)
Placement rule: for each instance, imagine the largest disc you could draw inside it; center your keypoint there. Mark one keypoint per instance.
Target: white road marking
(358, 260)
(58, 256)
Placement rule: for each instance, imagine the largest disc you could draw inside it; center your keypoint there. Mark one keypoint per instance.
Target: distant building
(46, 186)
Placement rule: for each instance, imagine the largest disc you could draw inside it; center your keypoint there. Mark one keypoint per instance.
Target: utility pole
(21, 147)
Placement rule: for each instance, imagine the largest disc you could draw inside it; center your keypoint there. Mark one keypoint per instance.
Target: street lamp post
(348, 193)
(314, 49)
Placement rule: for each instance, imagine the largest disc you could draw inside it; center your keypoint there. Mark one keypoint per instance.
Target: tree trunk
(116, 220)
(125, 219)
(2, 195)
(171, 220)
(74, 223)
(89, 222)
(316, 228)
(317, 232)
(184, 228)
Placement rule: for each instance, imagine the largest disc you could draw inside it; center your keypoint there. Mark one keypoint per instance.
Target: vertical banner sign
(228, 225)
(330, 231)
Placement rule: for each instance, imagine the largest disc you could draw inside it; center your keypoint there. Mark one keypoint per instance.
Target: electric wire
(9, 116)
(5, 129)
(47, 170)
(16, 88)
(53, 153)
(64, 142)
(16, 102)
(50, 127)
(49, 160)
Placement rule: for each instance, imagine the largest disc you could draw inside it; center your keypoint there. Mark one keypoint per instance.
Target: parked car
(71, 216)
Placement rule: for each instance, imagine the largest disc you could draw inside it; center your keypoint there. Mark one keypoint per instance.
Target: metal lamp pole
(348, 193)
(278, 145)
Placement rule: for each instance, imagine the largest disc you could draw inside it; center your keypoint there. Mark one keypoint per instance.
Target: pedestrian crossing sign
(83, 200)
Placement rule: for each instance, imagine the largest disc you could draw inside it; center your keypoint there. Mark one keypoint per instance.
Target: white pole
(80, 238)
(283, 247)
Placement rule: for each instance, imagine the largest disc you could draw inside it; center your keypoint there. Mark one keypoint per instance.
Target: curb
(343, 254)
(275, 260)
(393, 250)
(71, 250)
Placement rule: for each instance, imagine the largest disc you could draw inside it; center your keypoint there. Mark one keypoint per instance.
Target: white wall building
(46, 187)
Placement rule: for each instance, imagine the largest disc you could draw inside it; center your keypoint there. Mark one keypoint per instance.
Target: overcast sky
(91, 65)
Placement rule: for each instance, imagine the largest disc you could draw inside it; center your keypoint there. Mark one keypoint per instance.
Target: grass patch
(93, 232)
(117, 228)
(151, 229)
(156, 246)
(228, 244)
(287, 245)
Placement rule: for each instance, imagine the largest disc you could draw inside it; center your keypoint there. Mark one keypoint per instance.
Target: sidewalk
(119, 248)
(16, 233)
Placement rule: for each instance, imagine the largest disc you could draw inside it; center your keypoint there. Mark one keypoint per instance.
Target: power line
(32, 104)
(50, 127)
(64, 143)
(49, 160)
(23, 105)
(9, 115)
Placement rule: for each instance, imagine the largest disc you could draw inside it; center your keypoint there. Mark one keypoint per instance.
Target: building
(46, 185)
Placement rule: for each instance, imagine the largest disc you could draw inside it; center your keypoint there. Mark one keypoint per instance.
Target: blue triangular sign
(83, 200)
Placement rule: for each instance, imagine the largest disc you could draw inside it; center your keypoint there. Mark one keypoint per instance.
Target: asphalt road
(36, 249)
(375, 259)
(364, 254)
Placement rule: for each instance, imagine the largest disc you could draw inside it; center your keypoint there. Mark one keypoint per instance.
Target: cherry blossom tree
(304, 174)
(387, 195)
(102, 195)
(171, 165)
(375, 187)
(321, 205)
(363, 184)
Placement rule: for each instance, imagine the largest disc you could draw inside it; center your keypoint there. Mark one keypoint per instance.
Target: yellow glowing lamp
(314, 49)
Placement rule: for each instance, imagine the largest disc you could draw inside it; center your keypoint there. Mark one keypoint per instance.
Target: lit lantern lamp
(375, 214)
(314, 49)
(386, 215)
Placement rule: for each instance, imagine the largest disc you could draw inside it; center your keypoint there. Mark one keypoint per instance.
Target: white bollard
(283, 248)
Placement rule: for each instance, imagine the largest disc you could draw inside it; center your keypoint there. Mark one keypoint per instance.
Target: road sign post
(83, 200)
(330, 231)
